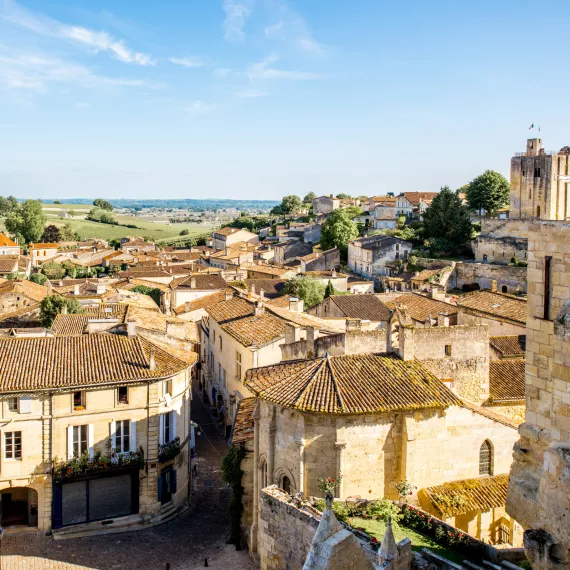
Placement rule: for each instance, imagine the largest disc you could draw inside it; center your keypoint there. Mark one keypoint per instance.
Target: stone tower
(539, 487)
(540, 183)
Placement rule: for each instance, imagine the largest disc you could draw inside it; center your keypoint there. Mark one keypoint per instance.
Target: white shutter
(25, 405)
(113, 432)
(161, 429)
(172, 425)
(69, 442)
(90, 438)
(133, 438)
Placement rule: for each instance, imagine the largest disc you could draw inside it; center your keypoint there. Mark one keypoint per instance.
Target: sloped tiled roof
(495, 304)
(469, 495)
(507, 380)
(513, 346)
(5, 241)
(351, 384)
(30, 364)
(416, 197)
(364, 307)
(9, 263)
(43, 245)
(26, 288)
(204, 282)
(242, 429)
(256, 329)
(425, 274)
(421, 307)
(272, 288)
(235, 308)
(71, 324)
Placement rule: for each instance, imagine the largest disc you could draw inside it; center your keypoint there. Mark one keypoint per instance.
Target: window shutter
(160, 487)
(173, 481)
(25, 405)
(113, 432)
(90, 438)
(161, 429)
(172, 424)
(69, 442)
(133, 436)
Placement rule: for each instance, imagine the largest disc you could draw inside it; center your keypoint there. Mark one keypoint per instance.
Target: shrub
(232, 475)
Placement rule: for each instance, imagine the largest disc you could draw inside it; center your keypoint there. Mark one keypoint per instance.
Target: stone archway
(19, 507)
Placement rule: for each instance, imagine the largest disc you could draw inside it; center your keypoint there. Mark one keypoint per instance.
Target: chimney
(295, 305)
(152, 359)
(259, 309)
(64, 309)
(252, 290)
(262, 294)
(101, 289)
(76, 289)
(49, 287)
(193, 283)
(229, 295)
(494, 285)
(131, 328)
(187, 306)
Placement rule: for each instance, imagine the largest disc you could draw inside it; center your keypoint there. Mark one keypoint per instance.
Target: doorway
(19, 507)
(166, 485)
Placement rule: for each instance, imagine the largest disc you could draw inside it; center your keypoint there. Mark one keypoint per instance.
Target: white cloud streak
(263, 70)
(275, 30)
(188, 61)
(309, 45)
(237, 14)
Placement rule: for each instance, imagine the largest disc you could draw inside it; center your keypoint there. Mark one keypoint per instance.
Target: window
(13, 445)
(123, 436)
(122, 395)
(504, 534)
(13, 404)
(286, 484)
(167, 430)
(220, 343)
(537, 172)
(79, 400)
(504, 289)
(238, 364)
(80, 444)
(447, 350)
(168, 387)
(538, 211)
(486, 458)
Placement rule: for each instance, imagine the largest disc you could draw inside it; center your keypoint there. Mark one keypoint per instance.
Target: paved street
(183, 543)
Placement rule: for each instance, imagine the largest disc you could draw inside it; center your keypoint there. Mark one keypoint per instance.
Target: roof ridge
(334, 381)
(312, 378)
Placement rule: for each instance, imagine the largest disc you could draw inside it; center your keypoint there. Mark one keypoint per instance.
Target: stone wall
(511, 277)
(500, 240)
(539, 489)
(324, 261)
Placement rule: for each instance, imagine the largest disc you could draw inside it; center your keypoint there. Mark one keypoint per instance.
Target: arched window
(486, 458)
(504, 289)
(286, 484)
(263, 474)
(538, 211)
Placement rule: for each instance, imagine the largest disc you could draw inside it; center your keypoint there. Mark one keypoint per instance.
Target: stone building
(289, 251)
(385, 213)
(540, 183)
(73, 406)
(188, 289)
(539, 489)
(370, 256)
(42, 252)
(225, 237)
(321, 260)
(324, 205)
(501, 240)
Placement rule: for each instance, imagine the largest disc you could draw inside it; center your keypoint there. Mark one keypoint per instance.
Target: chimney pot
(152, 359)
(131, 328)
(259, 309)
(193, 283)
(76, 289)
(494, 285)
(262, 293)
(229, 295)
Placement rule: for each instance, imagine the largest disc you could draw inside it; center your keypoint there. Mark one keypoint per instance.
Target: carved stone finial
(329, 500)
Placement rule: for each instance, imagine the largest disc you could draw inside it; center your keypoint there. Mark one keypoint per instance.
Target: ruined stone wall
(459, 352)
(500, 240)
(539, 489)
(511, 277)
(496, 327)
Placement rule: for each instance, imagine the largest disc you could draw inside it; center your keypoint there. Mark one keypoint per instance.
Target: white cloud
(250, 93)
(275, 30)
(25, 83)
(237, 14)
(221, 72)
(188, 61)
(262, 70)
(309, 45)
(198, 107)
(82, 105)
(98, 41)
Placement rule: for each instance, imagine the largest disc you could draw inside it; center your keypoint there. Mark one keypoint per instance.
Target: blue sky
(262, 98)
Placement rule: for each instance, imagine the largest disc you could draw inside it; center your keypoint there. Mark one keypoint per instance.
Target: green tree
(312, 291)
(38, 278)
(289, 205)
(343, 196)
(353, 211)
(152, 292)
(53, 305)
(184, 232)
(447, 219)
(308, 199)
(27, 221)
(66, 233)
(57, 202)
(107, 218)
(53, 270)
(337, 231)
(7, 205)
(329, 290)
(103, 204)
(489, 191)
(51, 234)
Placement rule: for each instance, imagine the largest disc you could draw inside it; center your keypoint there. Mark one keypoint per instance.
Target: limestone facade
(501, 240)
(539, 490)
(509, 279)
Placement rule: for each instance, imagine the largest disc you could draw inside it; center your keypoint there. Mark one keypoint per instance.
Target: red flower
(410, 492)
(374, 540)
(330, 479)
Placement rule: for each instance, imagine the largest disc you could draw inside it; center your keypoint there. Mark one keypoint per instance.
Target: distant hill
(193, 205)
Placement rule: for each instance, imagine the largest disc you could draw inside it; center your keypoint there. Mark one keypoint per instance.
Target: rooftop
(234, 308)
(507, 380)
(416, 197)
(351, 384)
(469, 495)
(5, 241)
(513, 346)
(43, 245)
(420, 308)
(202, 282)
(495, 304)
(31, 364)
(24, 287)
(363, 307)
(256, 329)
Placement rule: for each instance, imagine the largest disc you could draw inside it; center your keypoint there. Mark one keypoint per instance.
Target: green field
(149, 229)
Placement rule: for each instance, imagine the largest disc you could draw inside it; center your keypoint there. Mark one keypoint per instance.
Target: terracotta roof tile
(43, 245)
(256, 329)
(509, 346)
(242, 429)
(272, 288)
(9, 263)
(416, 197)
(203, 302)
(30, 364)
(235, 308)
(496, 304)
(507, 380)
(364, 307)
(5, 241)
(352, 384)
(25, 288)
(469, 495)
(73, 324)
(421, 307)
(203, 281)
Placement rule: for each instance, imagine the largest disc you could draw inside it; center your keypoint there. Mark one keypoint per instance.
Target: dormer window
(122, 395)
(79, 400)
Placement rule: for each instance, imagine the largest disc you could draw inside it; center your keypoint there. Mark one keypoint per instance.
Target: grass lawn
(377, 528)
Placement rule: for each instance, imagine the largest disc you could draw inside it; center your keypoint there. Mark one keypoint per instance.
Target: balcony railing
(77, 467)
(169, 450)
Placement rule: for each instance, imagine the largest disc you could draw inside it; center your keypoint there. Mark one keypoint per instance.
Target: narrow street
(182, 544)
